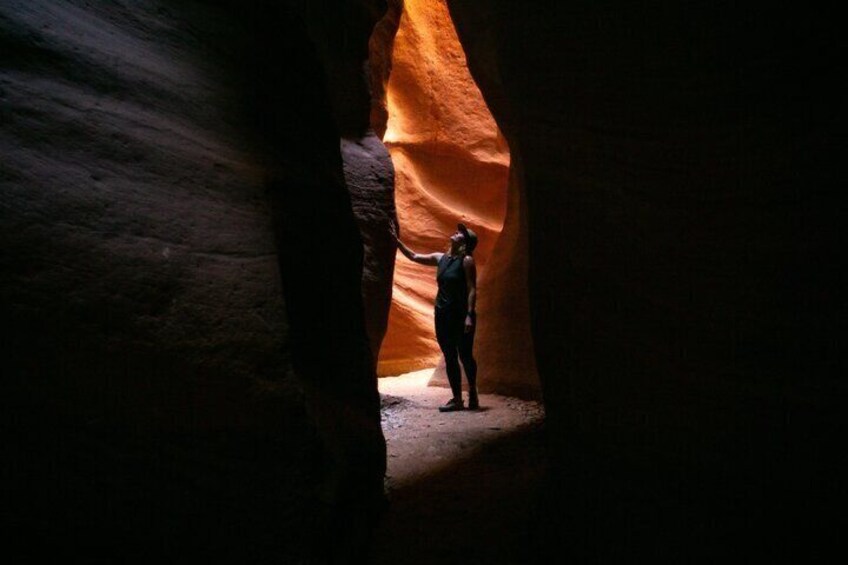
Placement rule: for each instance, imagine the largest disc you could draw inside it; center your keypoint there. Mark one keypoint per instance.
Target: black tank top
(453, 290)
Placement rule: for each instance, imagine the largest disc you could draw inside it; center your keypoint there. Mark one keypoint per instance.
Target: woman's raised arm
(431, 259)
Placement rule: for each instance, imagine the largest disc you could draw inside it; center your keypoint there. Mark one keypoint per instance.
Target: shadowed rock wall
(341, 33)
(159, 399)
(186, 370)
(678, 164)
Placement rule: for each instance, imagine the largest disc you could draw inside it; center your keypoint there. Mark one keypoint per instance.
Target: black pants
(456, 344)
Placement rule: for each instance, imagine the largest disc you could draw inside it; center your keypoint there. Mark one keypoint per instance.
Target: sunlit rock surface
(452, 165)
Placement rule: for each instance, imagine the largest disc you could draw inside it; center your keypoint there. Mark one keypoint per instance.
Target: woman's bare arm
(431, 259)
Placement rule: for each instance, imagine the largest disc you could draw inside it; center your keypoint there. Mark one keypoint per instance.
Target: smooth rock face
(678, 169)
(129, 211)
(451, 165)
(187, 370)
(353, 72)
(369, 176)
(160, 401)
(503, 347)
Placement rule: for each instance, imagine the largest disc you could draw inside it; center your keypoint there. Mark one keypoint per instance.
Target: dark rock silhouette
(187, 370)
(187, 361)
(677, 165)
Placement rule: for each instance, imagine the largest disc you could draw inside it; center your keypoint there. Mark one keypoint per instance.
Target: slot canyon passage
(196, 280)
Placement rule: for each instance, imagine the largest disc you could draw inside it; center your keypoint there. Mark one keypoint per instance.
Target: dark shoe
(473, 402)
(452, 405)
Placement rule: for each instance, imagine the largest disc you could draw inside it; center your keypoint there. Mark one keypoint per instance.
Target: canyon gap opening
(451, 164)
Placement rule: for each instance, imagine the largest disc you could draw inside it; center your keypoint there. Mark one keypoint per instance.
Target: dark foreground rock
(186, 370)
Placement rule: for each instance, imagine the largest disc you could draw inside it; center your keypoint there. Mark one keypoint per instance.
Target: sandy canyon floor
(462, 486)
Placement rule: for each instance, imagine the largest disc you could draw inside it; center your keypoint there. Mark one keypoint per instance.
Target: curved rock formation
(452, 165)
(188, 372)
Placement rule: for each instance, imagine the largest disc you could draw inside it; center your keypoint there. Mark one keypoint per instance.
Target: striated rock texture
(452, 165)
(186, 370)
(678, 165)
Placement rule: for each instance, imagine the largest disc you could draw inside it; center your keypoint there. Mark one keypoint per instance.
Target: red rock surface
(451, 163)
(679, 171)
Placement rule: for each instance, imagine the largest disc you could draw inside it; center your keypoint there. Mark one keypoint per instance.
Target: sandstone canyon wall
(186, 370)
(678, 164)
(186, 367)
(452, 165)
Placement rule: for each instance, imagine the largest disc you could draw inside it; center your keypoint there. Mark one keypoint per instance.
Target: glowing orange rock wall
(452, 164)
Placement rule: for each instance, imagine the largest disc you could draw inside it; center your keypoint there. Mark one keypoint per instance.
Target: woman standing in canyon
(455, 315)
